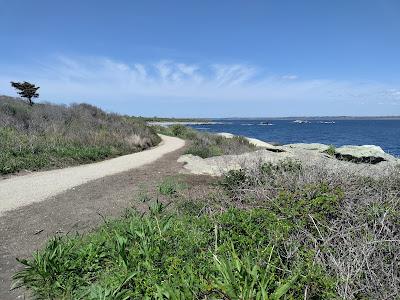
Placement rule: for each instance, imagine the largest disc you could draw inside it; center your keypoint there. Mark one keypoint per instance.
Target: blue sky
(207, 58)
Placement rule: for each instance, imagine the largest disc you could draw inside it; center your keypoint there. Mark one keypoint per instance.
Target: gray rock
(363, 154)
(218, 165)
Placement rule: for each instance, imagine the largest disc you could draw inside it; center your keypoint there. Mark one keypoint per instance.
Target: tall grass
(48, 136)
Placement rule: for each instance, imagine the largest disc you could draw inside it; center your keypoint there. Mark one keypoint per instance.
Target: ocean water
(383, 133)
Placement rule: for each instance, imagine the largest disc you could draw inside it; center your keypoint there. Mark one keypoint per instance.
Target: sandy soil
(23, 190)
(26, 229)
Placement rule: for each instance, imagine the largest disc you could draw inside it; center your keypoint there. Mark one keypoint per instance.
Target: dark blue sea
(384, 133)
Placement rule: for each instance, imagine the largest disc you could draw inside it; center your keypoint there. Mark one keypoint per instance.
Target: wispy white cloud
(105, 79)
(229, 75)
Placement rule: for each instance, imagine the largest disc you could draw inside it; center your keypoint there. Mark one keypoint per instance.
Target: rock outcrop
(365, 160)
(363, 154)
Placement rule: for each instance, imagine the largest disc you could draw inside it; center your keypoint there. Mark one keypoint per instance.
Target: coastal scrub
(47, 136)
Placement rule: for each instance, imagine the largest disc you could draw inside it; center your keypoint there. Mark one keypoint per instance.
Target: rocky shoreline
(368, 160)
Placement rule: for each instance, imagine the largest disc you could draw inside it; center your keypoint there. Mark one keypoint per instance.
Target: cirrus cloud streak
(66, 79)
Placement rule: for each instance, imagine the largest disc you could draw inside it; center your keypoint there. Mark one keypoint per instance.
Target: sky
(207, 58)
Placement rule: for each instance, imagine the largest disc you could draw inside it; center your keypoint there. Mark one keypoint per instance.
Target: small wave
(247, 124)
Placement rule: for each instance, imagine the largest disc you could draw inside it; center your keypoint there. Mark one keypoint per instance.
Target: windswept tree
(26, 90)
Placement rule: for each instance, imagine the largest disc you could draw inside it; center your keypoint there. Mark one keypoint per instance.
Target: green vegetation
(170, 186)
(331, 150)
(268, 231)
(234, 255)
(208, 145)
(282, 231)
(26, 90)
(349, 222)
(51, 136)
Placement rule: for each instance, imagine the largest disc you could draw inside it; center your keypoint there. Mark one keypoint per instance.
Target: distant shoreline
(169, 123)
(199, 121)
(317, 118)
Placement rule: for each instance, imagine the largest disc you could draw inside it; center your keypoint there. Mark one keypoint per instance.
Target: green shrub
(233, 179)
(287, 165)
(335, 214)
(178, 130)
(204, 151)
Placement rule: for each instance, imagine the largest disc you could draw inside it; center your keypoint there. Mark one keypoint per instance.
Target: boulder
(363, 154)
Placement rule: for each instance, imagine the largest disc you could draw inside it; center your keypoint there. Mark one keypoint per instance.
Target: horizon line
(231, 117)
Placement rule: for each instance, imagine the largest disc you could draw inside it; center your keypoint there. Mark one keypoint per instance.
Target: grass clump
(52, 136)
(170, 186)
(206, 144)
(331, 150)
(237, 254)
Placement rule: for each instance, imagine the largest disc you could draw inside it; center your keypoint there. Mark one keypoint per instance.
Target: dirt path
(79, 209)
(23, 190)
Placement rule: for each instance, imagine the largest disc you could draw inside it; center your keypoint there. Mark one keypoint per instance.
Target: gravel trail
(77, 210)
(23, 190)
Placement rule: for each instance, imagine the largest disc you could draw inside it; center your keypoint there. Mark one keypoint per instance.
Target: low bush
(350, 222)
(51, 136)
